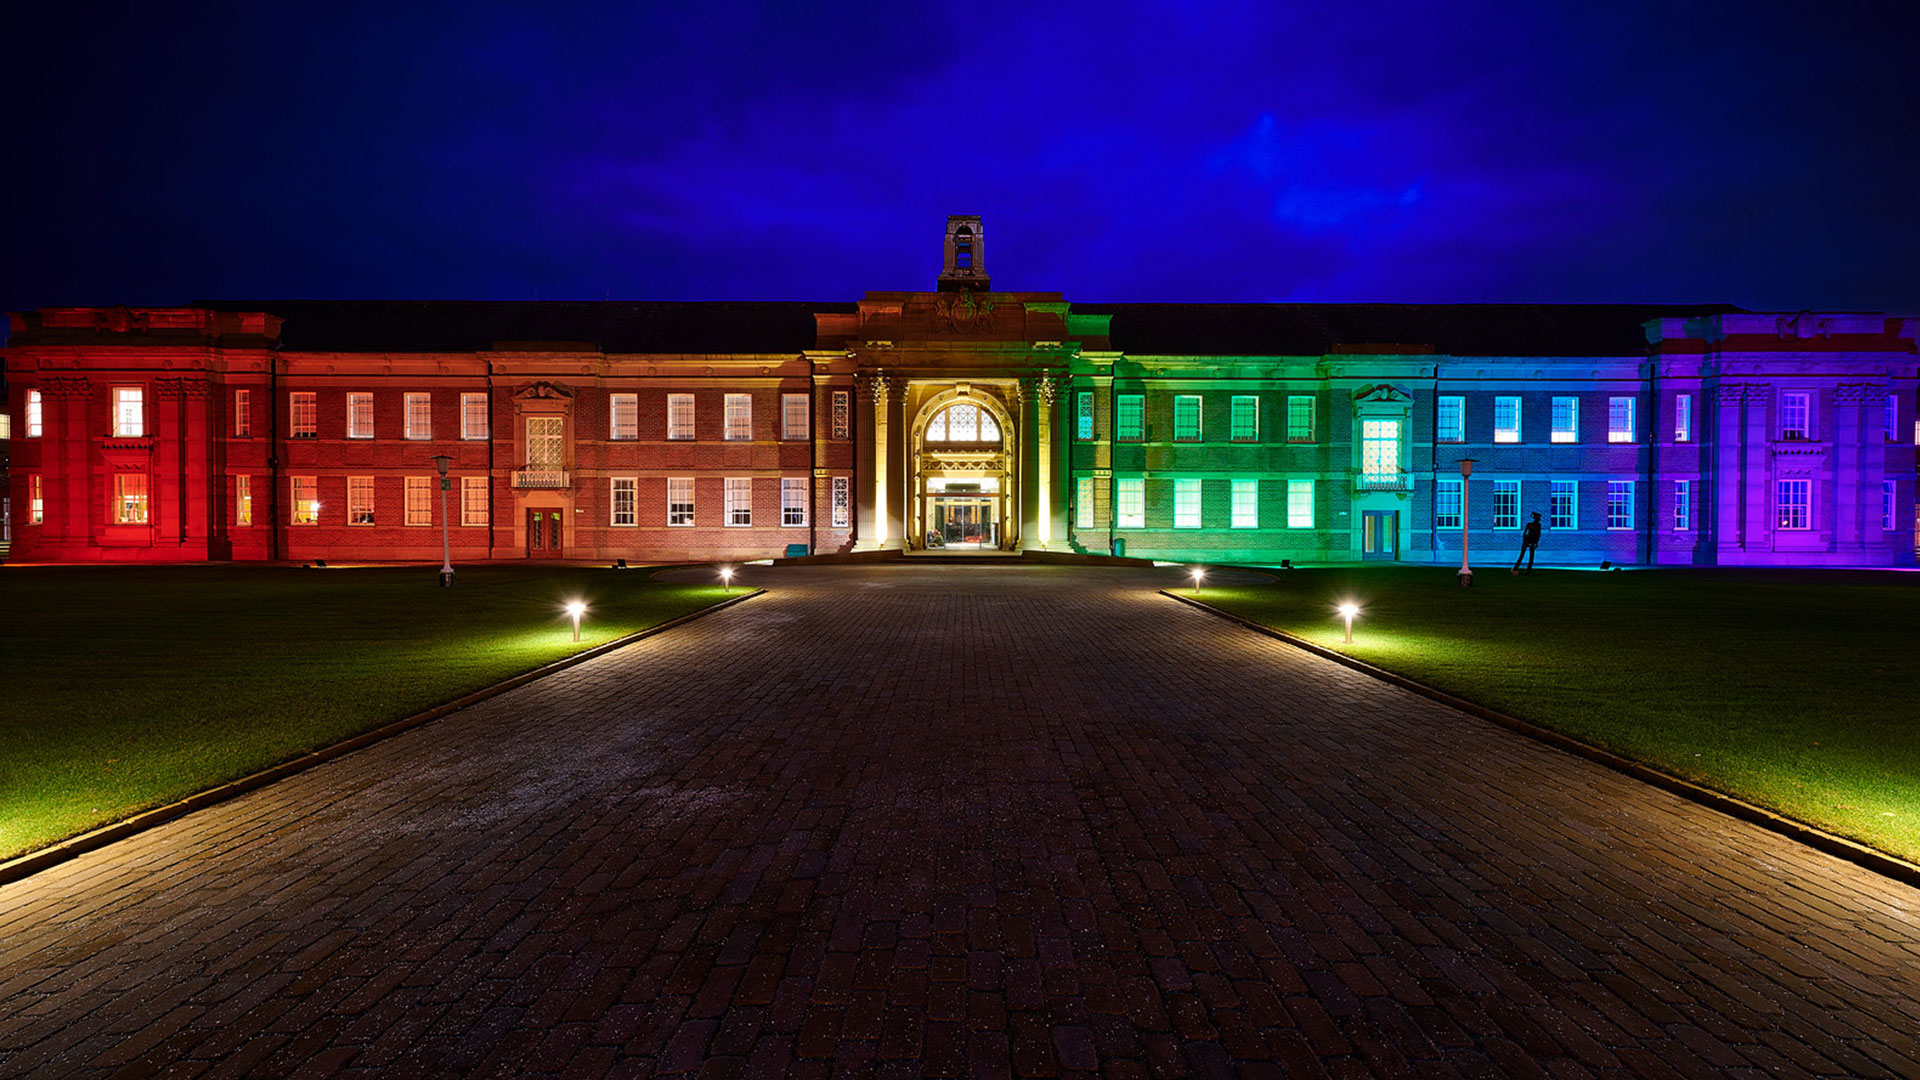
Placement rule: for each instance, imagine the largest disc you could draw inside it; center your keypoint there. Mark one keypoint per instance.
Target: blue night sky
(1754, 153)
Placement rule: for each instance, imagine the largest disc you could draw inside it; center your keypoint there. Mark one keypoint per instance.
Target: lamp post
(1347, 612)
(441, 462)
(1197, 575)
(726, 579)
(576, 609)
(1466, 570)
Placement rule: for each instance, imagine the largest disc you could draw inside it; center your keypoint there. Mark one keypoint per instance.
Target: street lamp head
(1466, 466)
(1349, 610)
(576, 609)
(442, 462)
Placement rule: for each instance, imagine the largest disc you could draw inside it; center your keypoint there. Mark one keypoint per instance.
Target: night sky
(1765, 155)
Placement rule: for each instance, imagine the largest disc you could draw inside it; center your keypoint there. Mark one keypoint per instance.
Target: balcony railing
(1383, 481)
(540, 478)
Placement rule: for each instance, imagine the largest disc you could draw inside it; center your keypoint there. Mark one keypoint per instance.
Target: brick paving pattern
(958, 821)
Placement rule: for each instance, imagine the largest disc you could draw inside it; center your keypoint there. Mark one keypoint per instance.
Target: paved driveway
(950, 821)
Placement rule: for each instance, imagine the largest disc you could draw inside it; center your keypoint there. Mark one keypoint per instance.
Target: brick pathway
(959, 821)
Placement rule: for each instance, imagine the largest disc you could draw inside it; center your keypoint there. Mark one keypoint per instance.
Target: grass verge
(1792, 690)
(132, 687)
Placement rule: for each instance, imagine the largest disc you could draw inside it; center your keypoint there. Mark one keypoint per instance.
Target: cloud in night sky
(1753, 153)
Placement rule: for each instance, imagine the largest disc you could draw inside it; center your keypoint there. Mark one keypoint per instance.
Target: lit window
(1682, 505)
(1793, 416)
(680, 416)
(793, 417)
(680, 500)
(1380, 449)
(473, 416)
(1793, 504)
(129, 412)
(739, 491)
(1083, 503)
(1186, 504)
(842, 502)
(1083, 415)
(1563, 505)
(1300, 418)
(963, 424)
(1299, 504)
(1244, 418)
(1891, 427)
(303, 414)
(793, 500)
(359, 500)
(36, 501)
(1446, 504)
(1889, 492)
(1683, 418)
(243, 500)
(623, 416)
(739, 417)
(1186, 418)
(419, 500)
(1566, 419)
(306, 500)
(242, 414)
(475, 503)
(359, 416)
(1451, 422)
(546, 444)
(1130, 503)
(1506, 419)
(1246, 503)
(1131, 422)
(1506, 504)
(842, 415)
(623, 500)
(419, 416)
(35, 415)
(1620, 420)
(130, 498)
(1619, 504)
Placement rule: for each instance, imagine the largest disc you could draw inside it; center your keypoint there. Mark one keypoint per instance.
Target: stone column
(879, 388)
(1045, 390)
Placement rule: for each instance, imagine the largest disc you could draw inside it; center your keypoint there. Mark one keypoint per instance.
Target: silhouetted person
(1529, 540)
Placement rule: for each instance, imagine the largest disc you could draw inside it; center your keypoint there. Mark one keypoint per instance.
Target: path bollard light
(1347, 612)
(1197, 575)
(726, 579)
(576, 609)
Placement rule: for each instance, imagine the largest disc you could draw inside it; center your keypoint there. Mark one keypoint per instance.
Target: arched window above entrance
(963, 423)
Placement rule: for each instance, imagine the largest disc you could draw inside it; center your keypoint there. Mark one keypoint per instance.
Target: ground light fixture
(576, 609)
(726, 579)
(1347, 611)
(1198, 574)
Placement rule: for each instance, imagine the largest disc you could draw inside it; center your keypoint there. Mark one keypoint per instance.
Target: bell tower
(965, 268)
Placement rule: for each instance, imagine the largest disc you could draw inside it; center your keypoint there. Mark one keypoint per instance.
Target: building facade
(960, 418)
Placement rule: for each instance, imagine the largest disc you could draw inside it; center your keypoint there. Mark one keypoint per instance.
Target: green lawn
(131, 687)
(1798, 691)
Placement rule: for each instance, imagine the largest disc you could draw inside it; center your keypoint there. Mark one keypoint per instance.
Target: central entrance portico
(964, 479)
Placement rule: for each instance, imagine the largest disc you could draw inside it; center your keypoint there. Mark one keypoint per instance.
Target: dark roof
(616, 326)
(1452, 329)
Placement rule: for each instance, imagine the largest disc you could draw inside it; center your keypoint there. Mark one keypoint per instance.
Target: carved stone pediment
(1381, 393)
(543, 391)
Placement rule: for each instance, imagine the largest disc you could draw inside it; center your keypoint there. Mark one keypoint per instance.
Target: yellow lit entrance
(963, 521)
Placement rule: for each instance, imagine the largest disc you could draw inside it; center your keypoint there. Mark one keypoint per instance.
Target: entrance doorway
(543, 534)
(964, 522)
(1379, 529)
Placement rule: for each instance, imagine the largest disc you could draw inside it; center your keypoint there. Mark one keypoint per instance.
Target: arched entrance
(962, 493)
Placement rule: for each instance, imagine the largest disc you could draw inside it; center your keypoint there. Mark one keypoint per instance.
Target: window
(1450, 422)
(1446, 504)
(1186, 504)
(1506, 419)
(359, 500)
(793, 417)
(1131, 422)
(842, 502)
(1566, 419)
(1083, 415)
(1083, 503)
(1890, 430)
(243, 500)
(36, 501)
(963, 424)
(129, 412)
(474, 501)
(1299, 418)
(242, 414)
(1246, 504)
(623, 416)
(1793, 416)
(1889, 492)
(739, 500)
(419, 409)
(1683, 418)
(473, 416)
(1299, 504)
(622, 501)
(130, 498)
(1244, 418)
(306, 500)
(1619, 504)
(1186, 418)
(1793, 504)
(793, 500)
(35, 415)
(1506, 504)
(359, 416)
(680, 500)
(546, 443)
(1682, 505)
(1130, 503)
(842, 415)
(679, 416)
(1563, 505)
(303, 414)
(1620, 419)
(739, 417)
(419, 501)
(1380, 449)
